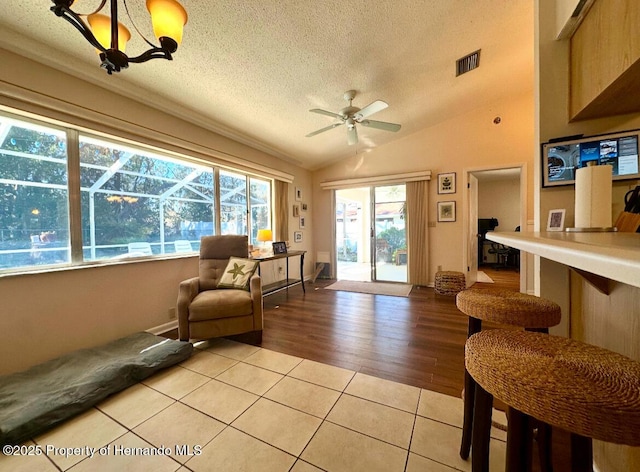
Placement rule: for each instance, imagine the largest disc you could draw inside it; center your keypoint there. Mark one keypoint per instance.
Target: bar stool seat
(509, 307)
(505, 307)
(586, 390)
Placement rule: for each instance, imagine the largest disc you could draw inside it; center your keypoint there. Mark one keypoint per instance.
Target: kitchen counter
(614, 256)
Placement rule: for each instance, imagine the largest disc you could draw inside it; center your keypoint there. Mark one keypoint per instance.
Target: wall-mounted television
(561, 157)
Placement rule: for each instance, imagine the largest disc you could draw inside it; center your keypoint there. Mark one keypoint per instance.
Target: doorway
(496, 201)
(370, 236)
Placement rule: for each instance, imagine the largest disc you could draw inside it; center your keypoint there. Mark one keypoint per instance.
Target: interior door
(388, 234)
(472, 243)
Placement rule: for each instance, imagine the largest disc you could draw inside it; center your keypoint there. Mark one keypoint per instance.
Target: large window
(133, 202)
(233, 205)
(260, 203)
(34, 211)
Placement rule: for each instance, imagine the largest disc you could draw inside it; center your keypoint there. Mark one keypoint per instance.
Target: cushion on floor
(36, 399)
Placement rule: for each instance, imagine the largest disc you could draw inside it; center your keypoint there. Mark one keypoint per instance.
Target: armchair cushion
(217, 304)
(237, 273)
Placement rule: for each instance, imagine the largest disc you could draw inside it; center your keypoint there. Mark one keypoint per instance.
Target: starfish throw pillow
(237, 273)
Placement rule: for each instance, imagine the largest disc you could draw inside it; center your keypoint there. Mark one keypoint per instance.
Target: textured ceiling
(252, 69)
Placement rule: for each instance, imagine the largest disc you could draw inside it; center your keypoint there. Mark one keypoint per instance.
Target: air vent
(467, 63)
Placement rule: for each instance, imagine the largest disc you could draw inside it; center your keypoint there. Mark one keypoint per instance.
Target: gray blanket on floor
(34, 400)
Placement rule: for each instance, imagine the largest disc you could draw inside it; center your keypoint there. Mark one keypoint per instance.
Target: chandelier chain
(135, 27)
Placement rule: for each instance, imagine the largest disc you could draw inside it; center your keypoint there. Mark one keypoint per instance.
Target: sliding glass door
(352, 223)
(370, 234)
(389, 259)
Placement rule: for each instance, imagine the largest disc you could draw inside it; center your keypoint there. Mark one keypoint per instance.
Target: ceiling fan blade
(381, 125)
(352, 136)
(370, 109)
(325, 112)
(327, 128)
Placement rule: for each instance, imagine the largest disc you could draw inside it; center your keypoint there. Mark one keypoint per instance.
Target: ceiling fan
(351, 115)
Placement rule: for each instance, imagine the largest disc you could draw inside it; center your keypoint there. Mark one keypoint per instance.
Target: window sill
(36, 270)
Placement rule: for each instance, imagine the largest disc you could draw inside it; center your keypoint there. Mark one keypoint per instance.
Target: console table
(287, 282)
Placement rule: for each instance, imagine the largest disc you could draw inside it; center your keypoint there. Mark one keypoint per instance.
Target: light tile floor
(234, 407)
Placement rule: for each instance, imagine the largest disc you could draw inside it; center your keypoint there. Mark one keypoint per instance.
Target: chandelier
(110, 37)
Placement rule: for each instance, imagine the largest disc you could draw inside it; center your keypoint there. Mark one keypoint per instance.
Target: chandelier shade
(101, 29)
(110, 37)
(168, 18)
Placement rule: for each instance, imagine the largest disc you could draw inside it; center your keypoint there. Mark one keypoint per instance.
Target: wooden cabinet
(605, 61)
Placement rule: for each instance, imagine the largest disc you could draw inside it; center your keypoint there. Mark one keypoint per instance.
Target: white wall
(467, 141)
(47, 314)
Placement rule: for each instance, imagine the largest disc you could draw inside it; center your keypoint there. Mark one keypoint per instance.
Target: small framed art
(556, 220)
(279, 247)
(298, 194)
(447, 183)
(304, 207)
(297, 236)
(303, 222)
(296, 211)
(446, 211)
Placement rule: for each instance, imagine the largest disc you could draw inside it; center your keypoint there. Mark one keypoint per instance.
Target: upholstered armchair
(207, 307)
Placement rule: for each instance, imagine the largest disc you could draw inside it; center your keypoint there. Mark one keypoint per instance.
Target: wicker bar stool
(508, 308)
(586, 390)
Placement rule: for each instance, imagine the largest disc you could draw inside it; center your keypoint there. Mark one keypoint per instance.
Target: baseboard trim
(158, 330)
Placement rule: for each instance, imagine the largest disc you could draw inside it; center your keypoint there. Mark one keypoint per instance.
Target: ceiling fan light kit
(350, 116)
(110, 37)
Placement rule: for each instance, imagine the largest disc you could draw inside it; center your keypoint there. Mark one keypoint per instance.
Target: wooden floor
(418, 340)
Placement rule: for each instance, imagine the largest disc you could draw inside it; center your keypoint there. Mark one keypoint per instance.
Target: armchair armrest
(187, 291)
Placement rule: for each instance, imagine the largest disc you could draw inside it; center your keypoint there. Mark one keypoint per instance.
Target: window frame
(74, 192)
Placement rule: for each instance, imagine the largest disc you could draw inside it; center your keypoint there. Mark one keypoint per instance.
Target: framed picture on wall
(302, 222)
(298, 194)
(296, 211)
(447, 183)
(297, 236)
(304, 207)
(446, 211)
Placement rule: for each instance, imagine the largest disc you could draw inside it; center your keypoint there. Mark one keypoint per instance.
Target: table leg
(302, 272)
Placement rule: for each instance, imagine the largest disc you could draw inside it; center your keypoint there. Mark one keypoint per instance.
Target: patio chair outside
(182, 245)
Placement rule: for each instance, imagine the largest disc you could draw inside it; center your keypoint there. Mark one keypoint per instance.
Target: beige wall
(500, 199)
(52, 313)
(47, 314)
(607, 321)
(466, 142)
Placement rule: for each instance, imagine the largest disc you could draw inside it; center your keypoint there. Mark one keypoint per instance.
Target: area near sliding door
(390, 234)
(371, 242)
